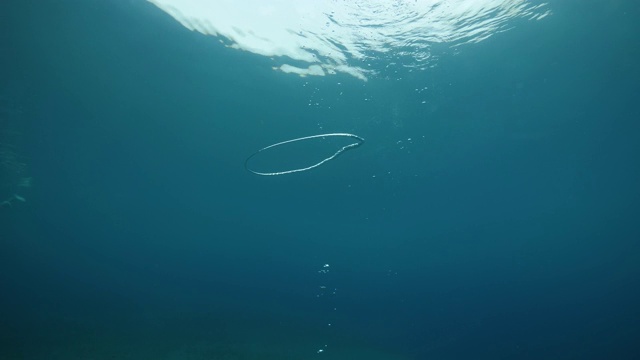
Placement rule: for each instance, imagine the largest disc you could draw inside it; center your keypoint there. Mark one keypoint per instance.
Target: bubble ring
(359, 142)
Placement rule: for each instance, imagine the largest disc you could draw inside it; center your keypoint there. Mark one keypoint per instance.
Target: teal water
(490, 214)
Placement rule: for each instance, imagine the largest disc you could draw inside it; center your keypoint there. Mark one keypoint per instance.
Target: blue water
(492, 212)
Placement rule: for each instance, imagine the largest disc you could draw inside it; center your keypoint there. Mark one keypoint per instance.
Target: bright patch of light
(320, 37)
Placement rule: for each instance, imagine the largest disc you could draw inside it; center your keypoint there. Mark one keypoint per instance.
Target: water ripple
(329, 36)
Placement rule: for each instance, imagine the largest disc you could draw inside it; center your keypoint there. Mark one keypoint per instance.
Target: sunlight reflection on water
(328, 36)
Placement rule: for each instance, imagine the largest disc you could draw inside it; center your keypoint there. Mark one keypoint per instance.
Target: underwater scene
(326, 179)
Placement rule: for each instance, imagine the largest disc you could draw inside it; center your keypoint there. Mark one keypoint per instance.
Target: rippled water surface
(325, 37)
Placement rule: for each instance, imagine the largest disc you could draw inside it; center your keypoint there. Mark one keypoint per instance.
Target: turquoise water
(490, 214)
